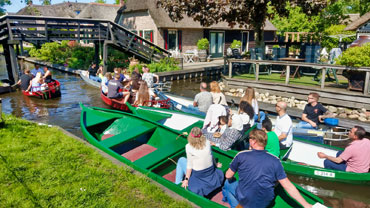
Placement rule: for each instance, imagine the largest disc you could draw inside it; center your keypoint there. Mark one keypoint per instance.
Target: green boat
(302, 159)
(152, 149)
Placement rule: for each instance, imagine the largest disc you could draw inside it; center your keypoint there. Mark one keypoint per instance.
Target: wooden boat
(302, 159)
(151, 148)
(120, 105)
(52, 91)
(84, 75)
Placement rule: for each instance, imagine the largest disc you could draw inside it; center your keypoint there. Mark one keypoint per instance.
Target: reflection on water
(65, 112)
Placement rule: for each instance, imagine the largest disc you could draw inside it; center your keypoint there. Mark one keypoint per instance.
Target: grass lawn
(42, 167)
(303, 80)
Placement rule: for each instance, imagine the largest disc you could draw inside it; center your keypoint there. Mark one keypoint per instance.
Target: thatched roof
(73, 10)
(162, 19)
(359, 22)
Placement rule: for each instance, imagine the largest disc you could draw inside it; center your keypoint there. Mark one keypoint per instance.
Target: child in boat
(222, 126)
(143, 96)
(149, 77)
(104, 82)
(37, 83)
(272, 145)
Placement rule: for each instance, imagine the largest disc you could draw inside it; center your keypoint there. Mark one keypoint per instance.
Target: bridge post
(105, 56)
(11, 62)
(96, 56)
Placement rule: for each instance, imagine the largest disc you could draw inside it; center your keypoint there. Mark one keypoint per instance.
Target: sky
(17, 4)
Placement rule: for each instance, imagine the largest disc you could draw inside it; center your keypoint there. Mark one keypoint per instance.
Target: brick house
(144, 18)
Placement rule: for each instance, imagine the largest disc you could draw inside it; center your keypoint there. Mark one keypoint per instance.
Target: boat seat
(127, 136)
(160, 154)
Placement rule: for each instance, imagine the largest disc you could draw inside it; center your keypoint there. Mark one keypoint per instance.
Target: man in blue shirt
(258, 172)
(37, 69)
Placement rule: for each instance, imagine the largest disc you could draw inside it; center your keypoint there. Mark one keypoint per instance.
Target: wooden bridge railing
(315, 66)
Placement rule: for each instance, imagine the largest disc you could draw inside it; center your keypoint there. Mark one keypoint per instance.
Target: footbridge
(16, 29)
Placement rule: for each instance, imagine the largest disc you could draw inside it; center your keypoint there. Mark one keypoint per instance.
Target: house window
(172, 40)
(78, 11)
(148, 35)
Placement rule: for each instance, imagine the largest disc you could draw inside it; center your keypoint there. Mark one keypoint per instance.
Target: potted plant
(236, 44)
(202, 45)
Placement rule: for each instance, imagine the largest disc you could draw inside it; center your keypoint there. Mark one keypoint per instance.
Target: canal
(65, 112)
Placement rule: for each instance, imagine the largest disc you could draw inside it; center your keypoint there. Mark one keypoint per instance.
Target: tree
(2, 4)
(242, 12)
(100, 1)
(45, 2)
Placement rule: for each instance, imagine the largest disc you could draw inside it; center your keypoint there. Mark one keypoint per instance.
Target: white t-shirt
(255, 106)
(199, 159)
(284, 125)
(218, 98)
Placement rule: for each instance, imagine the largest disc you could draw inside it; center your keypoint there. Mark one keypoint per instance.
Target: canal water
(65, 112)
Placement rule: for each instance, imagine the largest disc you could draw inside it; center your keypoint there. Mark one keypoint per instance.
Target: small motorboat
(52, 90)
(151, 148)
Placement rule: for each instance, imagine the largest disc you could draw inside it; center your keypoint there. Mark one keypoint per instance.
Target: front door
(216, 44)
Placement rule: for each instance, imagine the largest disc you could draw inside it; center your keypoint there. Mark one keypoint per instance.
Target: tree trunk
(259, 36)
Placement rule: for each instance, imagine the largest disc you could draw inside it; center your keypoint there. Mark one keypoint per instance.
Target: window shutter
(179, 39)
(151, 36)
(141, 35)
(165, 36)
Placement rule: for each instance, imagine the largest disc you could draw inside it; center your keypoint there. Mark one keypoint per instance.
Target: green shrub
(356, 56)
(335, 30)
(203, 44)
(166, 64)
(236, 44)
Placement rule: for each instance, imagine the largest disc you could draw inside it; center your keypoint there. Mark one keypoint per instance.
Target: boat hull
(53, 91)
(84, 75)
(96, 123)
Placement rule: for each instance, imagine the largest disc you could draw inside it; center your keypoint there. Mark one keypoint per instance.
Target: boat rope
(182, 134)
(170, 159)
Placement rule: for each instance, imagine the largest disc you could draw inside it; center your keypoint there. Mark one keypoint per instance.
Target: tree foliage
(241, 12)
(45, 2)
(2, 4)
(356, 56)
(101, 1)
(335, 34)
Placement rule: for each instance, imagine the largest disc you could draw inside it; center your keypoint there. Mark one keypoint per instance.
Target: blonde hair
(196, 139)
(249, 95)
(259, 136)
(143, 94)
(214, 87)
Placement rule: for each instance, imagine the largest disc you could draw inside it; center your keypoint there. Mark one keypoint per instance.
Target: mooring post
(323, 75)
(257, 71)
(366, 84)
(287, 74)
(96, 55)
(230, 68)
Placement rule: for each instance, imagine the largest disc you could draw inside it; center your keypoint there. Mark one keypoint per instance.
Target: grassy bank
(40, 166)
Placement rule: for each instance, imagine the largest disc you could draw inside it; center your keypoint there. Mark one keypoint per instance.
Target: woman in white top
(247, 115)
(201, 175)
(217, 96)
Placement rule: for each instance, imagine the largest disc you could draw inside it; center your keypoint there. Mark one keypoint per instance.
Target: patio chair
(238, 66)
(258, 54)
(278, 53)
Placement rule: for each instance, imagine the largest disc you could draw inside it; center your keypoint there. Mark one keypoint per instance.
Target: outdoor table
(296, 72)
(188, 57)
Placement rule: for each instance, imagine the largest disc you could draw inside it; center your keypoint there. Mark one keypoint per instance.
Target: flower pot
(202, 55)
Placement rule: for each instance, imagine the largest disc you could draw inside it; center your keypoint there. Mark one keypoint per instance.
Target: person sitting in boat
(222, 124)
(230, 136)
(203, 99)
(258, 173)
(143, 95)
(99, 73)
(93, 69)
(37, 69)
(125, 73)
(149, 77)
(121, 76)
(37, 84)
(313, 113)
(283, 126)
(25, 80)
(104, 82)
(272, 145)
(212, 117)
(246, 113)
(115, 88)
(134, 88)
(198, 171)
(217, 96)
(250, 97)
(135, 75)
(355, 157)
(47, 75)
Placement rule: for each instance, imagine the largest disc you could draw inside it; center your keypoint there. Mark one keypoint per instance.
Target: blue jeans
(95, 78)
(180, 169)
(262, 118)
(229, 193)
(305, 125)
(335, 166)
(193, 110)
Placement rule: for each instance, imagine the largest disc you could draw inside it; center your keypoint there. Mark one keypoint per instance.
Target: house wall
(140, 21)
(190, 38)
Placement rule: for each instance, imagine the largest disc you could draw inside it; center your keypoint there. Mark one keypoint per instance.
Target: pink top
(357, 156)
